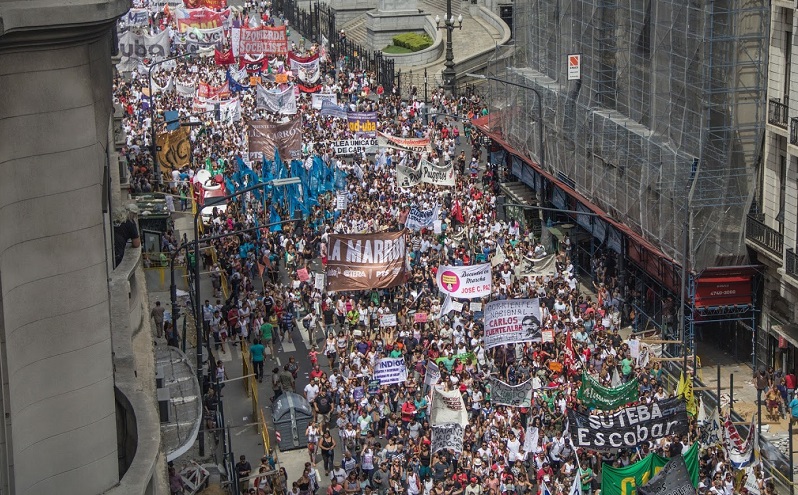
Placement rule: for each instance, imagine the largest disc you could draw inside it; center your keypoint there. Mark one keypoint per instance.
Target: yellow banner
(174, 149)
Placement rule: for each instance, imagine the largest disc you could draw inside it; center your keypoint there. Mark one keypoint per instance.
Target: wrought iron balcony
(777, 113)
(764, 236)
(794, 131)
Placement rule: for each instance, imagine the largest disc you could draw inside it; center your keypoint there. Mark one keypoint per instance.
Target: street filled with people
(452, 351)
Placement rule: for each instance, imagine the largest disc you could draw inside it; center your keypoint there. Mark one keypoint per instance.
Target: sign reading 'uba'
(366, 261)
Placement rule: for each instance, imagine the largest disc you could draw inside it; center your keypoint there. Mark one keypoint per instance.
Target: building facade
(653, 116)
(772, 225)
(67, 424)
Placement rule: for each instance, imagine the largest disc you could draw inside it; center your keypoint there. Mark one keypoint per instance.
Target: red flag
(260, 269)
(224, 58)
(568, 351)
(457, 212)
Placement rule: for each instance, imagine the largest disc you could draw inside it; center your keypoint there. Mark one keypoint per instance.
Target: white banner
(307, 72)
(466, 282)
(136, 47)
(433, 373)
(448, 407)
(448, 436)
(353, 146)
(511, 321)
(388, 320)
(439, 175)
(504, 394)
(277, 101)
(136, 17)
(426, 172)
(185, 89)
(407, 176)
(317, 99)
(318, 281)
(420, 219)
(341, 201)
(712, 430)
(390, 370)
(531, 440)
(197, 40)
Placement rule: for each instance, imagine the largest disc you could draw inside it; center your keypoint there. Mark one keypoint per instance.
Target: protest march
(454, 352)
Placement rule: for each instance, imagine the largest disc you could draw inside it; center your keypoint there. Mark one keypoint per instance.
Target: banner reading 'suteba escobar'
(630, 426)
(366, 261)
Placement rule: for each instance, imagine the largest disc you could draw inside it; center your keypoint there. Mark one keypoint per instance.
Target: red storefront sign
(724, 291)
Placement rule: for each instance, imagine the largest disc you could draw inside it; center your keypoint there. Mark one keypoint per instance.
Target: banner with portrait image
(504, 394)
(366, 261)
(512, 321)
(306, 69)
(629, 427)
(264, 136)
(448, 407)
(464, 282)
(174, 149)
(447, 437)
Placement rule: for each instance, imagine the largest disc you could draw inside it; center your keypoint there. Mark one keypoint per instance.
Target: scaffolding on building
(671, 99)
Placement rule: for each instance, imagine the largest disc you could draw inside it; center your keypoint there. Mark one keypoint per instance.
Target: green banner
(595, 396)
(625, 481)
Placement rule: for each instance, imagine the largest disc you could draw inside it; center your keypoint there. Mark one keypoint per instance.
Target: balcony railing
(764, 236)
(794, 131)
(791, 263)
(777, 113)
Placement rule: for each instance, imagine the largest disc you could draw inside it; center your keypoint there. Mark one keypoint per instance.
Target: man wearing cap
(473, 487)
(338, 475)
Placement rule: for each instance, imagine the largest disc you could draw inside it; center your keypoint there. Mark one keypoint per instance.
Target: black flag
(673, 479)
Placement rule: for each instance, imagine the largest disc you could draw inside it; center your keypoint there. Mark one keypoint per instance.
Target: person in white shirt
(312, 390)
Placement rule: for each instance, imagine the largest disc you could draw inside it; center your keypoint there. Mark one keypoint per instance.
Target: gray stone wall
(55, 105)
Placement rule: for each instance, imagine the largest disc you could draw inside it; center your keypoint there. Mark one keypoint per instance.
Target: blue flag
(275, 220)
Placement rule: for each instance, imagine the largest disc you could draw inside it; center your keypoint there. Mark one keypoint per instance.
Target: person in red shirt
(408, 412)
(790, 382)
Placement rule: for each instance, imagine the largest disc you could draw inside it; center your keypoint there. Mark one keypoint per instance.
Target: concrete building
(772, 232)
(75, 419)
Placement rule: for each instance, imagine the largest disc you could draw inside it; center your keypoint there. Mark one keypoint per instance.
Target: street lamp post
(449, 74)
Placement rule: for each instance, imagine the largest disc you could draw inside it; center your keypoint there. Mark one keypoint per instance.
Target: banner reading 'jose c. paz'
(366, 261)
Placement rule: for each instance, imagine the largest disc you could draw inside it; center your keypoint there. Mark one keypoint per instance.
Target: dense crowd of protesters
(385, 437)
